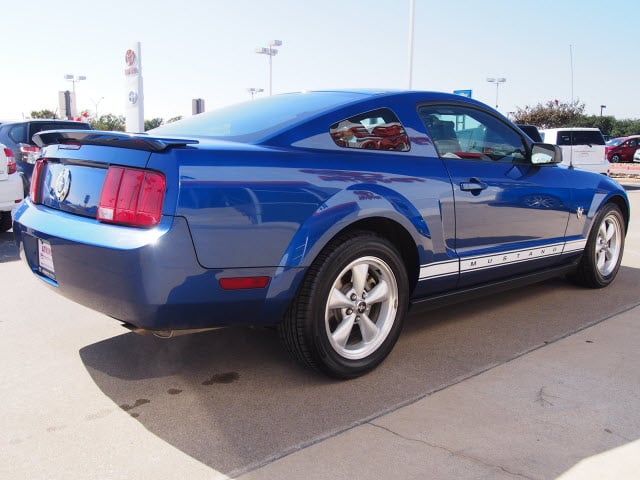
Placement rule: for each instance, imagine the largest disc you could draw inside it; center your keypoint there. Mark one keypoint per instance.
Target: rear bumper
(11, 192)
(148, 278)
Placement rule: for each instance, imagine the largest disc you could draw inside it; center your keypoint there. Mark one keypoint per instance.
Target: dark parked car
(621, 149)
(18, 136)
(532, 131)
(326, 214)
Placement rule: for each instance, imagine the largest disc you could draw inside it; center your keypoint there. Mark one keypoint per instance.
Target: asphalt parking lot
(83, 398)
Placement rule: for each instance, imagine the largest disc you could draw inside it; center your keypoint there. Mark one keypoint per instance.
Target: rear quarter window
(375, 130)
(18, 133)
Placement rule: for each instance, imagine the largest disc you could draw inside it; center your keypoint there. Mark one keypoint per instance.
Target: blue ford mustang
(326, 214)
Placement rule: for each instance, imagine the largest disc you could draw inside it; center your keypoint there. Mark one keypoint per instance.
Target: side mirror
(545, 154)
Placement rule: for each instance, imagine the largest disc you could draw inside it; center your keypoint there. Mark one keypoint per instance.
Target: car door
(628, 149)
(510, 216)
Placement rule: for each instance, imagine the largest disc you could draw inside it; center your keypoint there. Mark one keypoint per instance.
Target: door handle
(474, 185)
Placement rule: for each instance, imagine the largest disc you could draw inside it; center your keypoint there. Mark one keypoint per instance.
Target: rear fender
(355, 204)
(342, 211)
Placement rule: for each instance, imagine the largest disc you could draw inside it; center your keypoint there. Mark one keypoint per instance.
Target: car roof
(572, 129)
(279, 114)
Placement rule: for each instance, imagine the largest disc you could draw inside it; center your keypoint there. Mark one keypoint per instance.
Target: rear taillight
(11, 162)
(30, 153)
(132, 197)
(36, 177)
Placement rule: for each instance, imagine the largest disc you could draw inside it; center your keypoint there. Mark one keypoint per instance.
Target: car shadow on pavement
(233, 399)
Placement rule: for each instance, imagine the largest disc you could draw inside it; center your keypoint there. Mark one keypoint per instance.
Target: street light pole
(96, 105)
(497, 81)
(270, 51)
(73, 79)
(602, 107)
(412, 11)
(253, 91)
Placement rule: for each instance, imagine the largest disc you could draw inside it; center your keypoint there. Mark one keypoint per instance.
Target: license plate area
(45, 259)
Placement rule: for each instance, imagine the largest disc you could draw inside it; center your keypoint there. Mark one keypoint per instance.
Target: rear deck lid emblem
(62, 184)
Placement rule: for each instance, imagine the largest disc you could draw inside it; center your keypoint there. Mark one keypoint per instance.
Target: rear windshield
(256, 119)
(42, 126)
(37, 127)
(580, 137)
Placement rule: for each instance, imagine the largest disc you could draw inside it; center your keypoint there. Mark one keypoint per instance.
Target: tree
(109, 122)
(43, 114)
(153, 123)
(174, 119)
(551, 115)
(626, 127)
(605, 124)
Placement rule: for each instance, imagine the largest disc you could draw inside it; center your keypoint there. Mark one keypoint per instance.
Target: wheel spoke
(601, 260)
(379, 293)
(611, 231)
(337, 299)
(602, 232)
(359, 277)
(368, 329)
(342, 333)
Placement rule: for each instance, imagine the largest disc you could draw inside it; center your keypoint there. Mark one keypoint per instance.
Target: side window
(376, 130)
(18, 133)
(564, 138)
(463, 132)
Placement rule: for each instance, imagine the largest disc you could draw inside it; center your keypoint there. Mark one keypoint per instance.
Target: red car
(622, 149)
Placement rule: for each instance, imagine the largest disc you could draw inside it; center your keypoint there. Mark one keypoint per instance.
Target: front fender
(587, 202)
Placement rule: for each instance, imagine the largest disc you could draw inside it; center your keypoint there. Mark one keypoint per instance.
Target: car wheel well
(397, 235)
(624, 208)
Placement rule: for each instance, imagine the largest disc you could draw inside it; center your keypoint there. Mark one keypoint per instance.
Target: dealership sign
(134, 110)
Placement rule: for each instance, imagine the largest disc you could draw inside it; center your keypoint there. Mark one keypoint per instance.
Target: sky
(583, 50)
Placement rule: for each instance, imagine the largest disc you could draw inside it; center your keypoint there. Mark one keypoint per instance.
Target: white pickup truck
(11, 188)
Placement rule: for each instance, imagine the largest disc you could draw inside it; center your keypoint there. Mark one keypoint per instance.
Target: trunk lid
(76, 163)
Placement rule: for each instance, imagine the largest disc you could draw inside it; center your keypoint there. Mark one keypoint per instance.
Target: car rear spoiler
(135, 141)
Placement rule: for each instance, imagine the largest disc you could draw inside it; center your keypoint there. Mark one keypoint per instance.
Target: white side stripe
(439, 269)
(482, 262)
(575, 246)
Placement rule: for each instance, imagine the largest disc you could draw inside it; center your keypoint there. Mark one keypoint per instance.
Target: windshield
(256, 119)
(614, 142)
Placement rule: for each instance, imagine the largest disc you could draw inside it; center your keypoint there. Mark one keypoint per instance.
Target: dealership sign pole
(134, 110)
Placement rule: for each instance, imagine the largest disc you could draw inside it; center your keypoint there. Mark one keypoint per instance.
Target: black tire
(615, 158)
(5, 222)
(602, 255)
(355, 334)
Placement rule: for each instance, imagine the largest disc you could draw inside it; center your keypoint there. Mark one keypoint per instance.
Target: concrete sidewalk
(569, 410)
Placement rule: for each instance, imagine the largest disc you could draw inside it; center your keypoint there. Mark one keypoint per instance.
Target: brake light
(36, 177)
(30, 153)
(11, 162)
(132, 197)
